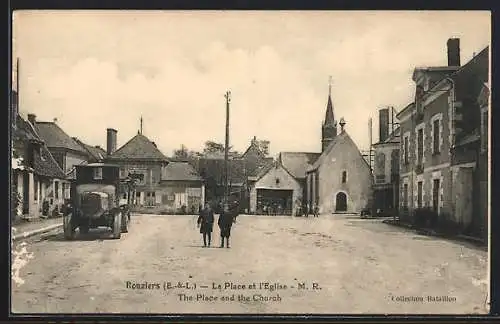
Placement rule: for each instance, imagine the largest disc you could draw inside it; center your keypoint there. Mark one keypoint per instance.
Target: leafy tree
(181, 153)
(264, 146)
(213, 147)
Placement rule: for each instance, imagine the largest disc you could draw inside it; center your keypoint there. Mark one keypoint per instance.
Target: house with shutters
(64, 149)
(182, 188)
(37, 179)
(440, 168)
(141, 159)
(386, 166)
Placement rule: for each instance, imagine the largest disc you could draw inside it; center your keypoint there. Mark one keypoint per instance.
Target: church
(340, 180)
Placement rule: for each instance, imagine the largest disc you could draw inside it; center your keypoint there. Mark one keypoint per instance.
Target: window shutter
(441, 134)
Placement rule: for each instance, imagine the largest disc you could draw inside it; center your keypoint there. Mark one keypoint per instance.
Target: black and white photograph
(250, 162)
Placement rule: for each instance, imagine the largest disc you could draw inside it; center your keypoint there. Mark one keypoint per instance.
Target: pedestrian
(316, 210)
(306, 211)
(225, 223)
(264, 210)
(206, 224)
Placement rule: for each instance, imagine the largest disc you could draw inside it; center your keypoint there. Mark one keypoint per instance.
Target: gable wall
(344, 156)
(268, 181)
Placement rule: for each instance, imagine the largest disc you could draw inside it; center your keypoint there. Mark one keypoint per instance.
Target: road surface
(327, 265)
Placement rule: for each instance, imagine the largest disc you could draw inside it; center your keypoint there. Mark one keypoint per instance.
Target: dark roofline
(112, 157)
(330, 148)
(291, 152)
(83, 151)
(405, 109)
(433, 69)
(454, 74)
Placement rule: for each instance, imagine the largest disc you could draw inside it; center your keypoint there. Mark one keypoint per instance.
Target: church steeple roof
(329, 117)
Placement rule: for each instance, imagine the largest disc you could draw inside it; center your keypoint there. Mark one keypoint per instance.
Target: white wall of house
(73, 159)
(344, 156)
(269, 181)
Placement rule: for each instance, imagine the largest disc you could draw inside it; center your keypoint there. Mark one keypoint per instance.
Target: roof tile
(180, 171)
(55, 137)
(139, 147)
(297, 162)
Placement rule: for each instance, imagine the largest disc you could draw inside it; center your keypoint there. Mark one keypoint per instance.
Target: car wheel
(69, 229)
(117, 225)
(84, 229)
(125, 223)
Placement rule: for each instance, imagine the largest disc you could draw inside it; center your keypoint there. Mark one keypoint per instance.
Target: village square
(394, 224)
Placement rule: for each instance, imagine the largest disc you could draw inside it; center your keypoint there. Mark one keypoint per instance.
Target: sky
(97, 69)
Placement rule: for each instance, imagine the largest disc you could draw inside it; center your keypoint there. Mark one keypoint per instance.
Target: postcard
(250, 162)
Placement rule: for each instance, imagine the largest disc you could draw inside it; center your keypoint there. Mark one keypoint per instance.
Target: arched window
(344, 176)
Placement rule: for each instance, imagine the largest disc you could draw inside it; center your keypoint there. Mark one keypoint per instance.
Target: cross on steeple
(330, 85)
(329, 127)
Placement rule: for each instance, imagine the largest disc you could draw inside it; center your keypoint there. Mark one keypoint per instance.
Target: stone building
(140, 158)
(66, 151)
(36, 178)
(440, 140)
(256, 160)
(276, 189)
(340, 179)
(282, 183)
(182, 188)
(484, 160)
(386, 166)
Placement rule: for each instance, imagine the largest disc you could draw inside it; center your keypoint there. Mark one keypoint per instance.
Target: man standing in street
(206, 224)
(316, 210)
(225, 223)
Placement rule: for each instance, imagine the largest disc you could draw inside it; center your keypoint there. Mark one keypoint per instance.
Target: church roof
(296, 163)
(329, 117)
(343, 136)
(141, 148)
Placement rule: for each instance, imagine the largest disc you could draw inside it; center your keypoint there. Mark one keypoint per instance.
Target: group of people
(306, 210)
(206, 223)
(272, 209)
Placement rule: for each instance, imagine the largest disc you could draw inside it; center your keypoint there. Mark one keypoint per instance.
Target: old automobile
(99, 199)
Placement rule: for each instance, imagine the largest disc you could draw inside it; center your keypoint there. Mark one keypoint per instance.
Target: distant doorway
(341, 202)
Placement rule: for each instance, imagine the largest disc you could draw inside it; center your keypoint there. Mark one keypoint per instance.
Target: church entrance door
(341, 202)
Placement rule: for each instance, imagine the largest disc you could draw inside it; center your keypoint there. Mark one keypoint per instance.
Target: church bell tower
(329, 127)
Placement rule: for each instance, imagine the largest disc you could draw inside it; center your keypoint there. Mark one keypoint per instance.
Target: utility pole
(226, 149)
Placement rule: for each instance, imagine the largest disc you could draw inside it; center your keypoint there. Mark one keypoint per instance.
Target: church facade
(340, 180)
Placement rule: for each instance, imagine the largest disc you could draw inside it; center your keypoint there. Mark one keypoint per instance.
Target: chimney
(32, 118)
(111, 141)
(383, 124)
(453, 45)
